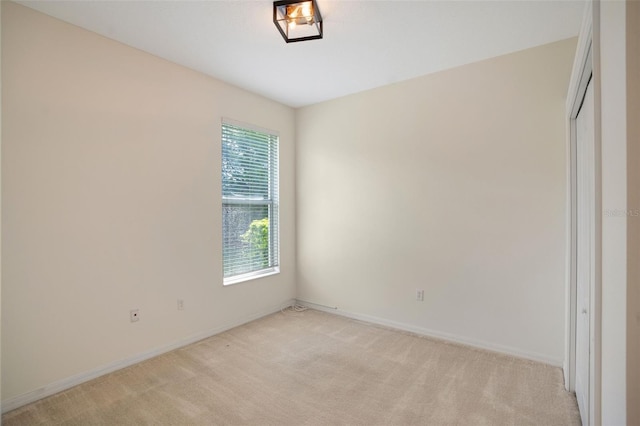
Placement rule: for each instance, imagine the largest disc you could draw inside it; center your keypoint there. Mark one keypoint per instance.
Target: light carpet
(314, 368)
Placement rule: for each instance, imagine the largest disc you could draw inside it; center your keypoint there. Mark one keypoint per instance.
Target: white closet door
(585, 190)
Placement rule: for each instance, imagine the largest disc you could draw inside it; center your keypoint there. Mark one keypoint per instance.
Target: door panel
(585, 190)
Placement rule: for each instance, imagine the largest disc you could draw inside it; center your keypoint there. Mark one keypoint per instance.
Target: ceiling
(366, 44)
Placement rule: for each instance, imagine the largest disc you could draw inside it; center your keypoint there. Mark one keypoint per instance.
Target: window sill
(237, 279)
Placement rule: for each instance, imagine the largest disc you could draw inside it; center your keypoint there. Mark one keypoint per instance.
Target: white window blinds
(249, 202)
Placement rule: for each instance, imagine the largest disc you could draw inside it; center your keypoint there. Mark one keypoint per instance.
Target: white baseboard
(69, 382)
(506, 350)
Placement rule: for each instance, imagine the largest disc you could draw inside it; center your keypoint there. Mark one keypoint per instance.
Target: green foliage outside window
(257, 236)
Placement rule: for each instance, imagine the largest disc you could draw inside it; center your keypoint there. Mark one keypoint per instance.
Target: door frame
(582, 72)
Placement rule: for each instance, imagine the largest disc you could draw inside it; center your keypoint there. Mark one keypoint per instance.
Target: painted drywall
(111, 196)
(0, 212)
(610, 77)
(633, 207)
(453, 183)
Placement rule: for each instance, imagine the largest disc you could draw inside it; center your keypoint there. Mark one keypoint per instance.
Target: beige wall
(0, 213)
(452, 183)
(633, 203)
(111, 196)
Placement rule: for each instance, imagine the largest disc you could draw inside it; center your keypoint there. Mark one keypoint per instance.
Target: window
(249, 202)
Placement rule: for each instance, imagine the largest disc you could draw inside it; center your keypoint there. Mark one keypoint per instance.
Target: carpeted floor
(313, 368)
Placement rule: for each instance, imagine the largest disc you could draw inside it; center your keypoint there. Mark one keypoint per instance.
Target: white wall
(452, 183)
(610, 74)
(111, 196)
(633, 203)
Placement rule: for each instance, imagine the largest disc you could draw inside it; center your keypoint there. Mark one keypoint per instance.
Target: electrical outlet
(180, 305)
(134, 315)
(420, 295)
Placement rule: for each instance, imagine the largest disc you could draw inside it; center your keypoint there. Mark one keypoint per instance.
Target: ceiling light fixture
(297, 20)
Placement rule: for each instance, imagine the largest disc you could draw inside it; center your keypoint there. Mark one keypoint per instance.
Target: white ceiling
(367, 44)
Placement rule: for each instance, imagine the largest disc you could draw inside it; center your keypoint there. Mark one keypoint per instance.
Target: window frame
(272, 203)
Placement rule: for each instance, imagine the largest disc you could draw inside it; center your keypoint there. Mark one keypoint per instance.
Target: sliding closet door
(585, 257)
